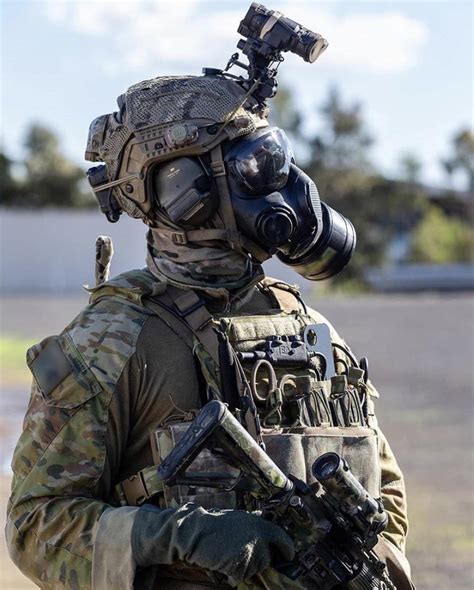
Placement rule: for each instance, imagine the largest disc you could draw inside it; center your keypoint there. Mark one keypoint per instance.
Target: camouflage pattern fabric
(153, 115)
(209, 265)
(129, 371)
(60, 455)
(104, 250)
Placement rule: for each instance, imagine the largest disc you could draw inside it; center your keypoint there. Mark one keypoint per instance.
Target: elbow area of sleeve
(50, 561)
(113, 565)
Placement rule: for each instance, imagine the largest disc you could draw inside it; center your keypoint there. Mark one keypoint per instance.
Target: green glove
(235, 543)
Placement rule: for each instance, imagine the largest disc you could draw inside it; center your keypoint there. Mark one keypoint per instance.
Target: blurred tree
(8, 185)
(344, 141)
(439, 239)
(284, 114)
(410, 167)
(379, 208)
(50, 179)
(462, 158)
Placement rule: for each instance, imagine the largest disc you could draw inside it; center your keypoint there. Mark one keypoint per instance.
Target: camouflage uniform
(120, 370)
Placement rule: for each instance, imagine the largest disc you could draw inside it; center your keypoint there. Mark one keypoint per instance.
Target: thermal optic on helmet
(260, 162)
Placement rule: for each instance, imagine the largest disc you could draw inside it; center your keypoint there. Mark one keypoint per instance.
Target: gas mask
(275, 204)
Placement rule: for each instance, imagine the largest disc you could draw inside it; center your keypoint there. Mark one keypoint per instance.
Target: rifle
(334, 522)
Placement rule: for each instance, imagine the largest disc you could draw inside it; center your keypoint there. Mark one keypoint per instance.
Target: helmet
(162, 119)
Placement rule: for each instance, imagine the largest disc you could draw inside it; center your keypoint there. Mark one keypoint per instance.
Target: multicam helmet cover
(164, 118)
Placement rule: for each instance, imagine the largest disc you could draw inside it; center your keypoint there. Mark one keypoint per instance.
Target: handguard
(334, 523)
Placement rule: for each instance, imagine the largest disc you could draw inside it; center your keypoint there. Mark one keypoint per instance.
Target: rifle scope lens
(326, 466)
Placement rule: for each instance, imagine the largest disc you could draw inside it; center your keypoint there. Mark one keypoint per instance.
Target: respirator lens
(262, 164)
(332, 251)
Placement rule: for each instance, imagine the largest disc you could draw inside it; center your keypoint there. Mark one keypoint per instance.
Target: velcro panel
(50, 366)
(246, 333)
(61, 375)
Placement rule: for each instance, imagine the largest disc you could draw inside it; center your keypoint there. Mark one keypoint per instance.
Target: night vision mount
(268, 34)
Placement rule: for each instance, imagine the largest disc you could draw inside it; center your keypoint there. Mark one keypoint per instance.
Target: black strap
(190, 309)
(230, 391)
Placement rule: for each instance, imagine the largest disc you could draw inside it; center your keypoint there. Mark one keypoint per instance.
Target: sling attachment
(139, 488)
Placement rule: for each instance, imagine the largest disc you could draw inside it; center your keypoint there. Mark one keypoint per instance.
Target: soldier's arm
(69, 454)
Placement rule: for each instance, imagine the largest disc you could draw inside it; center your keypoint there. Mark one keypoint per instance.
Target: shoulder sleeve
(58, 464)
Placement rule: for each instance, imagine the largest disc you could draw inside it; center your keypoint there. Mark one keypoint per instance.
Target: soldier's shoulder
(105, 333)
(130, 286)
(287, 295)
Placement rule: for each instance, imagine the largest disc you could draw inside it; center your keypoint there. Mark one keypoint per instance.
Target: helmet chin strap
(237, 241)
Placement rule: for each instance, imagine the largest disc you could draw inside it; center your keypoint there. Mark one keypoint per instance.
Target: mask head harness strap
(237, 241)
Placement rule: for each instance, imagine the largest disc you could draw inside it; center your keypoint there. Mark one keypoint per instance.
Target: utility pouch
(295, 450)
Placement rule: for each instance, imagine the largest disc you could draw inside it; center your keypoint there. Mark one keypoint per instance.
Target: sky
(409, 63)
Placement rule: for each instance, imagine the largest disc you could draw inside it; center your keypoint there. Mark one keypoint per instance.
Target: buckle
(179, 237)
(134, 490)
(218, 168)
(187, 303)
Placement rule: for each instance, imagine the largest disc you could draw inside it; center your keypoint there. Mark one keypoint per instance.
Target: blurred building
(53, 250)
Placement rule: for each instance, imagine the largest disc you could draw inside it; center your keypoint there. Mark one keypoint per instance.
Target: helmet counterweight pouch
(96, 176)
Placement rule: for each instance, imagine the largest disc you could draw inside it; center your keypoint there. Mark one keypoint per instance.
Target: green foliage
(8, 187)
(379, 208)
(13, 368)
(49, 178)
(342, 144)
(462, 158)
(410, 167)
(284, 114)
(439, 239)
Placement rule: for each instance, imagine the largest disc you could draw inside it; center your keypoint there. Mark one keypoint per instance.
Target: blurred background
(382, 122)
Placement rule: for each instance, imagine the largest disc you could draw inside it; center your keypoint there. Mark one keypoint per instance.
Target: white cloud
(183, 35)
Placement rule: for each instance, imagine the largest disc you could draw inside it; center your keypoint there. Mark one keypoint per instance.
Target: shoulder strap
(190, 310)
(215, 359)
(286, 296)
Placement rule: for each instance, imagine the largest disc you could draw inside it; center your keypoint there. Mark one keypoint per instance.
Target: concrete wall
(53, 251)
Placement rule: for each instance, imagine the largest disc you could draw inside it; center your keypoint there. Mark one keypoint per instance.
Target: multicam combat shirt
(116, 372)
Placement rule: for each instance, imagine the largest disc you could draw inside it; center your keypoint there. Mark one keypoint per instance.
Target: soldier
(196, 160)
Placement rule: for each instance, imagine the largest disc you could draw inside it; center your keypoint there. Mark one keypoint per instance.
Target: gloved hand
(235, 543)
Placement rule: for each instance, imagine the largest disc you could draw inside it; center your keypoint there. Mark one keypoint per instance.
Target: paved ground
(421, 357)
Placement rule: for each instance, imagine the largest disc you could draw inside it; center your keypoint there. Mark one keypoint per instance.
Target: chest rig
(296, 392)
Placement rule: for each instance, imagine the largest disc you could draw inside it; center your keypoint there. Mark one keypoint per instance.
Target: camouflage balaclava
(207, 265)
(160, 120)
